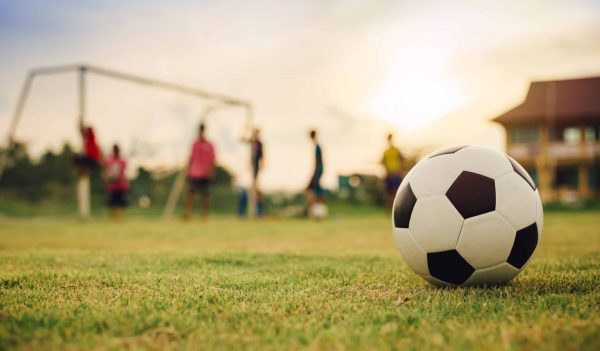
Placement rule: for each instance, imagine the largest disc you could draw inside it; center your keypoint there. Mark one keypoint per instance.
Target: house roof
(572, 99)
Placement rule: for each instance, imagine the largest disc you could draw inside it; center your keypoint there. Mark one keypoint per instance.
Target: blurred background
(517, 76)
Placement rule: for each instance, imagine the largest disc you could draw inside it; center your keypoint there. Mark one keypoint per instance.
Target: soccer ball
(467, 215)
(144, 201)
(318, 211)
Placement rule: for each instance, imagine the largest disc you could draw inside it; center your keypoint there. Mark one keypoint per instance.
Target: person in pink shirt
(201, 169)
(116, 183)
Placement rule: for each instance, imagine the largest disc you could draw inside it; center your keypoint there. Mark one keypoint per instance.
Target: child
(392, 162)
(116, 183)
(314, 191)
(201, 168)
(85, 163)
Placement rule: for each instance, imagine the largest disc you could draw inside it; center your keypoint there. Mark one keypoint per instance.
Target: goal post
(180, 178)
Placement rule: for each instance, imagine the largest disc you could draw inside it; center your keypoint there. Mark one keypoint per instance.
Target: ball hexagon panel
(472, 194)
(515, 200)
(500, 273)
(403, 205)
(414, 255)
(435, 224)
(483, 161)
(449, 266)
(486, 240)
(446, 151)
(521, 172)
(434, 175)
(539, 221)
(525, 243)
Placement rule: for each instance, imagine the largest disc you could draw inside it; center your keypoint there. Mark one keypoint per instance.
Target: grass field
(230, 284)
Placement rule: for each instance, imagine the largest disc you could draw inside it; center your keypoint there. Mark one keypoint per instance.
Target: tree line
(52, 178)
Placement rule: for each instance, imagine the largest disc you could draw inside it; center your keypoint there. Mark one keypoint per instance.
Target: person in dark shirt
(314, 191)
(257, 153)
(253, 194)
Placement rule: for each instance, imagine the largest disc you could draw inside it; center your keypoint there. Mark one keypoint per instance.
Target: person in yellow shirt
(393, 163)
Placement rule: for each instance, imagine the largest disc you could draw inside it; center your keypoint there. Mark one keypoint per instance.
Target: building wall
(563, 159)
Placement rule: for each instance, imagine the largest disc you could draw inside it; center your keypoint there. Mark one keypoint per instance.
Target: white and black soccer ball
(318, 210)
(467, 215)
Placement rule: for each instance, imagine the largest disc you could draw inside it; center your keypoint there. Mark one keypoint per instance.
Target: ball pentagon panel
(472, 194)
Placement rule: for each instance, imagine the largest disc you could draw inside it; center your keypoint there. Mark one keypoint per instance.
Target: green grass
(230, 284)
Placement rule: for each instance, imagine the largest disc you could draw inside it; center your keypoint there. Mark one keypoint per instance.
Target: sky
(434, 73)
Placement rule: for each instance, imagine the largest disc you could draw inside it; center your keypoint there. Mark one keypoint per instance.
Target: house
(555, 135)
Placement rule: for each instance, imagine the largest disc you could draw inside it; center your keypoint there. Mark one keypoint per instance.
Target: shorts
(200, 185)
(117, 199)
(392, 183)
(85, 161)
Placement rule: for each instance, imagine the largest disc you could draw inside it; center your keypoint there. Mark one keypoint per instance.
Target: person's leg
(389, 200)
(318, 190)
(391, 187)
(205, 199)
(310, 199)
(119, 214)
(311, 192)
(111, 206)
(253, 194)
(388, 191)
(189, 204)
(120, 208)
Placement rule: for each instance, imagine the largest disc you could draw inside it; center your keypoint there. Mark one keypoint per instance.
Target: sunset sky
(434, 73)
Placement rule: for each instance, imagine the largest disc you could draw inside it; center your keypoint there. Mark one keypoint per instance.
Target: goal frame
(82, 71)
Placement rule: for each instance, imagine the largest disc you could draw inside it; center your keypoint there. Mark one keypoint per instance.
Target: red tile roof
(573, 99)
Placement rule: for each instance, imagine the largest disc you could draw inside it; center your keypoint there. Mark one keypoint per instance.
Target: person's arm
(213, 159)
(124, 173)
(400, 156)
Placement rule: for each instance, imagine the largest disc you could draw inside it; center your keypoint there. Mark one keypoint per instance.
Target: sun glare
(416, 89)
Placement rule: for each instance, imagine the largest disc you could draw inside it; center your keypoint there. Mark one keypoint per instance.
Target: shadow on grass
(530, 286)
